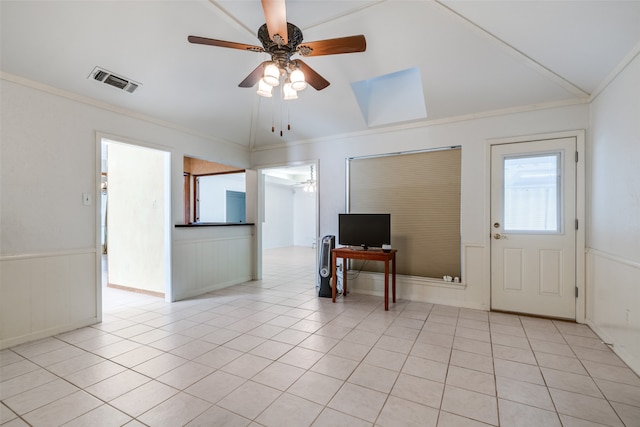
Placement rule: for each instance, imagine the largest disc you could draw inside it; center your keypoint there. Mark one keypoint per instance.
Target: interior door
(533, 227)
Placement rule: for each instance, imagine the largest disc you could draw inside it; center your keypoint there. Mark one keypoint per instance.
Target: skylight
(391, 98)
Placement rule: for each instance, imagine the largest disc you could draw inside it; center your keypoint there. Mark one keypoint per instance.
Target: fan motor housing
(294, 38)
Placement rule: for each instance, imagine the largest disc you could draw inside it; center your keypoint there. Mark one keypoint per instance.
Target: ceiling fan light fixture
(310, 184)
(297, 80)
(264, 89)
(288, 92)
(271, 74)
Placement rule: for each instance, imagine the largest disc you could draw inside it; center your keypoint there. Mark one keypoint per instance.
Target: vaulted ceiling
(470, 57)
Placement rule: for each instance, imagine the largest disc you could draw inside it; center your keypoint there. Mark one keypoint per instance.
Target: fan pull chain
(273, 114)
(281, 103)
(273, 127)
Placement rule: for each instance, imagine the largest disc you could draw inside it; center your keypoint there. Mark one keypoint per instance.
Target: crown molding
(433, 122)
(112, 108)
(616, 71)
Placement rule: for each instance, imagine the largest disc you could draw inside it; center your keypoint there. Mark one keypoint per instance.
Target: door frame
(103, 137)
(261, 209)
(580, 252)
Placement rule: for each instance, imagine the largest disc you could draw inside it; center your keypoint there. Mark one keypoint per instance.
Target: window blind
(421, 191)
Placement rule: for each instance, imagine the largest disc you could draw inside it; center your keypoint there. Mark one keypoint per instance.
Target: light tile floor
(271, 353)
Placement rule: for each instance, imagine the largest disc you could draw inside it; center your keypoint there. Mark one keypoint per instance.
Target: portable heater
(324, 266)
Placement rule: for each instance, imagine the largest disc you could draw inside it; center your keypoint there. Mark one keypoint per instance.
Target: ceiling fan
(308, 185)
(282, 40)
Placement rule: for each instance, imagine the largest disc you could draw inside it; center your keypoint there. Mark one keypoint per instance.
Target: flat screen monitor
(365, 230)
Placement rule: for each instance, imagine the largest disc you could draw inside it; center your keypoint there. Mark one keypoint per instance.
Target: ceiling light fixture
(285, 71)
(271, 74)
(297, 80)
(264, 89)
(310, 184)
(289, 92)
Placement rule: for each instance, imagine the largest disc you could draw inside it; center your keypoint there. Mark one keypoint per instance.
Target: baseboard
(46, 333)
(136, 290)
(632, 362)
(201, 291)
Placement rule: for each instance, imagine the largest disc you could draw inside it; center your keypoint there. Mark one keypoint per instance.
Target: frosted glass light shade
(288, 92)
(264, 89)
(297, 80)
(271, 75)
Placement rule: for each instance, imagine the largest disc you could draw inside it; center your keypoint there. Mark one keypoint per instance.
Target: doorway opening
(135, 218)
(289, 227)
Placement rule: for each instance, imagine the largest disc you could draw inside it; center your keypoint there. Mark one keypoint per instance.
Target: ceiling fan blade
(314, 79)
(223, 43)
(254, 76)
(275, 14)
(349, 44)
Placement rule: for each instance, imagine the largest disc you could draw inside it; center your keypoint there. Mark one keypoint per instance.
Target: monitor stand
(359, 248)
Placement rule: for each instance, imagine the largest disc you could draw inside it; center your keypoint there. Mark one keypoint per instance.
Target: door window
(532, 193)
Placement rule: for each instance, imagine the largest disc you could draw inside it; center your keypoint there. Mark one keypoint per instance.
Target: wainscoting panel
(46, 294)
(201, 266)
(472, 292)
(613, 304)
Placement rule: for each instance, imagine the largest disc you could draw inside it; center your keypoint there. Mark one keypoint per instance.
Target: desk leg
(386, 284)
(393, 273)
(334, 278)
(344, 277)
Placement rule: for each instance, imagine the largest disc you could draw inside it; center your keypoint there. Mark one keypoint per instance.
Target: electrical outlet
(87, 199)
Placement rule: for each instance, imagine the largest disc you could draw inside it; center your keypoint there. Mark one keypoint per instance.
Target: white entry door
(533, 227)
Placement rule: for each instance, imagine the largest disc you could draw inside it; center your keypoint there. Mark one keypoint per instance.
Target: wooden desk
(372, 255)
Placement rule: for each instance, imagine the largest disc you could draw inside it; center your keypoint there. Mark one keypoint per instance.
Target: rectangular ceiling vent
(107, 77)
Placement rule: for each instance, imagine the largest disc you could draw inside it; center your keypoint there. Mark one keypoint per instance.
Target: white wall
(49, 244)
(472, 135)
(613, 262)
(277, 228)
(304, 218)
(289, 215)
(213, 195)
(136, 217)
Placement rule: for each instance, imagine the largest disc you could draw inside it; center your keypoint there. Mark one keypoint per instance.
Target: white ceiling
(473, 56)
(291, 175)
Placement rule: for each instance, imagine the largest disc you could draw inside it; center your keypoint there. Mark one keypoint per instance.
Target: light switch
(86, 199)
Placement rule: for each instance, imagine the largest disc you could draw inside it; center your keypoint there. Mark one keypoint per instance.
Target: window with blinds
(421, 191)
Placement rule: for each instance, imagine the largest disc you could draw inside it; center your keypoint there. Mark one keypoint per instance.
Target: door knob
(499, 236)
